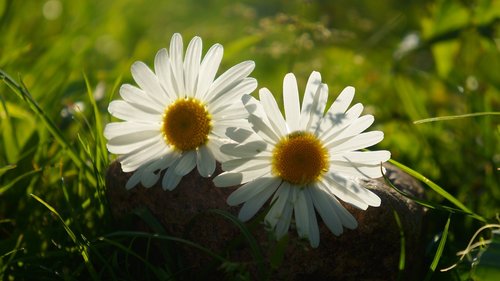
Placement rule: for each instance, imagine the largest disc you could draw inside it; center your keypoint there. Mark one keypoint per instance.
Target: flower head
(308, 160)
(176, 119)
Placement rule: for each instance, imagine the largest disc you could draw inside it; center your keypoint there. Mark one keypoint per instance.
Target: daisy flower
(177, 116)
(309, 160)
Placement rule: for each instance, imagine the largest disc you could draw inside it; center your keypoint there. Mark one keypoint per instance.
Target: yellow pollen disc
(299, 158)
(186, 124)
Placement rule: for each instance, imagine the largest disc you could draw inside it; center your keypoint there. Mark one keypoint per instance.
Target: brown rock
(370, 252)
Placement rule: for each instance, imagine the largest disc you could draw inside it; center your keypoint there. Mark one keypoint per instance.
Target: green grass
(437, 102)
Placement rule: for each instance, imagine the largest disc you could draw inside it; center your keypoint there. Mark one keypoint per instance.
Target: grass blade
(82, 247)
(454, 117)
(433, 186)
(439, 250)
(22, 92)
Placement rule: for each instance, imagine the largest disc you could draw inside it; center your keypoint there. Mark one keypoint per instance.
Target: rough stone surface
(370, 252)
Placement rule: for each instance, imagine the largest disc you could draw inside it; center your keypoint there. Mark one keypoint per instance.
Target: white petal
(137, 96)
(186, 163)
(338, 187)
(356, 127)
(313, 223)
(148, 82)
(176, 56)
(125, 111)
(342, 102)
(301, 214)
(170, 179)
(332, 125)
(208, 69)
(153, 171)
(164, 73)
(317, 108)
(346, 218)
(354, 188)
(192, 65)
(214, 144)
(127, 143)
(259, 120)
(312, 86)
(135, 159)
(356, 170)
(273, 112)
(252, 206)
(247, 149)
(291, 102)
(116, 129)
(233, 95)
(325, 209)
(281, 209)
(229, 79)
(135, 179)
(363, 157)
(205, 162)
(284, 222)
(360, 141)
(251, 189)
(231, 179)
(245, 163)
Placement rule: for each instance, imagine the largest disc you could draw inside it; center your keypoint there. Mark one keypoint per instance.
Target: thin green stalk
(434, 187)
(82, 247)
(453, 117)
(439, 251)
(24, 94)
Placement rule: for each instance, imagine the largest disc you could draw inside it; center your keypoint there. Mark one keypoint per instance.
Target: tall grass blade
(454, 117)
(21, 91)
(434, 187)
(81, 247)
(439, 251)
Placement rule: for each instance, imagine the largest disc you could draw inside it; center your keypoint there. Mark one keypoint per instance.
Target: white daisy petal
(192, 65)
(301, 213)
(137, 96)
(356, 127)
(248, 149)
(231, 179)
(357, 142)
(208, 69)
(148, 82)
(229, 79)
(163, 70)
(313, 83)
(205, 161)
(246, 86)
(332, 125)
(171, 179)
(259, 120)
(245, 163)
(135, 179)
(186, 164)
(342, 102)
(253, 204)
(346, 218)
(251, 189)
(313, 223)
(284, 220)
(125, 111)
(351, 191)
(362, 157)
(134, 142)
(275, 118)
(356, 170)
(176, 55)
(321, 201)
(116, 129)
(317, 108)
(291, 102)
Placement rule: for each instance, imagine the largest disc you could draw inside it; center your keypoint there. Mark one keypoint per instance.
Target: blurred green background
(408, 60)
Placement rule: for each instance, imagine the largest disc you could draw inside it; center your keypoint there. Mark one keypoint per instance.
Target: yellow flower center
(299, 158)
(186, 124)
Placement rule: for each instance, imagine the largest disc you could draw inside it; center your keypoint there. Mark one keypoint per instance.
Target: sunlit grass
(436, 101)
